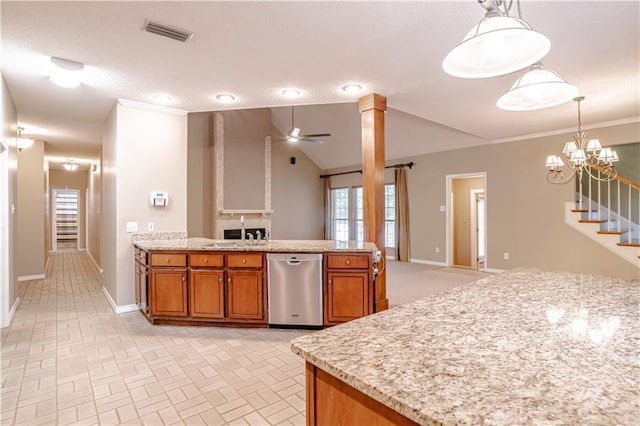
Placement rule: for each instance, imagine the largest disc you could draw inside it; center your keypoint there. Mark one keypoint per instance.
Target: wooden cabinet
(206, 294)
(348, 290)
(245, 295)
(142, 280)
(168, 284)
(168, 292)
(207, 287)
(246, 299)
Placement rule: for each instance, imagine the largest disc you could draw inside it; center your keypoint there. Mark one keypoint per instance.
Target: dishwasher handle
(293, 262)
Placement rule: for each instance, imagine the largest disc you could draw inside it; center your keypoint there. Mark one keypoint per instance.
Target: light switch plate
(132, 226)
(151, 227)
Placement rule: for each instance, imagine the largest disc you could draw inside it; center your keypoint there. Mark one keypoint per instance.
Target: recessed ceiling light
(291, 93)
(164, 99)
(225, 97)
(352, 88)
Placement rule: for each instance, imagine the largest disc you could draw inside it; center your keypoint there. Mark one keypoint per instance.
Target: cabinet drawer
(244, 260)
(168, 259)
(206, 260)
(348, 261)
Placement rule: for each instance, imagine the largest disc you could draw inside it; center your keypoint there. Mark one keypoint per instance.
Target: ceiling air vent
(167, 31)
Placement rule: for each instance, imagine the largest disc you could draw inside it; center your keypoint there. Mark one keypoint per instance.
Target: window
(347, 217)
(390, 215)
(340, 213)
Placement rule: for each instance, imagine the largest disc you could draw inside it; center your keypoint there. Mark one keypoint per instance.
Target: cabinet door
(169, 292)
(206, 294)
(244, 295)
(347, 295)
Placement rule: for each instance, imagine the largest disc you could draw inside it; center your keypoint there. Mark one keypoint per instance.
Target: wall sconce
(65, 73)
(21, 142)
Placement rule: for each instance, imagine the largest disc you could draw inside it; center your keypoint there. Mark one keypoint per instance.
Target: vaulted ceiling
(254, 50)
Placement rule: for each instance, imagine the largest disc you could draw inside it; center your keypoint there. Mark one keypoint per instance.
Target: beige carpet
(407, 282)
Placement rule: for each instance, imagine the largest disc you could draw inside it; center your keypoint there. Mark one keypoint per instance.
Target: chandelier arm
(558, 177)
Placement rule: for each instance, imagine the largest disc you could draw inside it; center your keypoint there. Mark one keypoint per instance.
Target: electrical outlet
(132, 226)
(506, 256)
(437, 249)
(151, 226)
(442, 208)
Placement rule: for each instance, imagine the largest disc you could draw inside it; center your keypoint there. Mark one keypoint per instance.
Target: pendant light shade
(498, 45)
(538, 88)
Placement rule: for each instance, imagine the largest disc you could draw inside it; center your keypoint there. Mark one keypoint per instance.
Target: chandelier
(70, 165)
(583, 155)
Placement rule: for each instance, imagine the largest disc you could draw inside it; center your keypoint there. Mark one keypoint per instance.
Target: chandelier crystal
(583, 155)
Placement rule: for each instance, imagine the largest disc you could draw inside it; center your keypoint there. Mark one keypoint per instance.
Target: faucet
(242, 231)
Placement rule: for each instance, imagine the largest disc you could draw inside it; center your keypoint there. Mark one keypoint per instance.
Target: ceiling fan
(295, 136)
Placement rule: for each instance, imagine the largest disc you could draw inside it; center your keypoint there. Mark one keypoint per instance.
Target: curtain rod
(395, 166)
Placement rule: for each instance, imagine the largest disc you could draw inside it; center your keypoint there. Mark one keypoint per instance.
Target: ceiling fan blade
(316, 135)
(310, 140)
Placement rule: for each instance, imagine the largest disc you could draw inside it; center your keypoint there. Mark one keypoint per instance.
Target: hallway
(67, 358)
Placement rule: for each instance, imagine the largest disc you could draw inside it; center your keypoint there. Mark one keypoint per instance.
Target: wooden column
(372, 108)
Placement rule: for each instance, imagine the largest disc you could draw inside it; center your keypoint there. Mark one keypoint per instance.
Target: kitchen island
(522, 347)
(199, 281)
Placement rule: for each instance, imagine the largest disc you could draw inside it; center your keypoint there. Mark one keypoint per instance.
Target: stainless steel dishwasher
(294, 283)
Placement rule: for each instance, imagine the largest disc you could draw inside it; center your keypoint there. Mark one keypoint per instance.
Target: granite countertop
(180, 242)
(522, 347)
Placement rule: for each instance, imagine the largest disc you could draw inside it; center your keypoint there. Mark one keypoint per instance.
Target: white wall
(144, 150)
(8, 200)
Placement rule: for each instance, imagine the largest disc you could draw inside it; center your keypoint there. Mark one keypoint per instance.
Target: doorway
(65, 219)
(466, 221)
(478, 229)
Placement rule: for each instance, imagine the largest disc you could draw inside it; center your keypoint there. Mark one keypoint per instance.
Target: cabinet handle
(229, 279)
(168, 260)
(220, 279)
(329, 281)
(206, 260)
(347, 262)
(184, 278)
(244, 260)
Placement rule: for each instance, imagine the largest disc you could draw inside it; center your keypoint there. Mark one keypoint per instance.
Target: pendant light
(536, 89)
(500, 44)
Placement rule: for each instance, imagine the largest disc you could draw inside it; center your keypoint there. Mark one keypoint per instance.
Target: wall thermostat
(160, 199)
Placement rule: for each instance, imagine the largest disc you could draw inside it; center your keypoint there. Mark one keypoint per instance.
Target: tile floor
(67, 358)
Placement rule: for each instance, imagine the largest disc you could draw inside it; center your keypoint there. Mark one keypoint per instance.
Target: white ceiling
(255, 49)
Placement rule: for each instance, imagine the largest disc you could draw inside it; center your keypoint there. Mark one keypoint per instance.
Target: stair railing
(616, 203)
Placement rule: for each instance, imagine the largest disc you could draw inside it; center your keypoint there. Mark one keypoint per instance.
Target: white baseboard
(31, 277)
(427, 262)
(118, 309)
(12, 311)
(98, 268)
(494, 270)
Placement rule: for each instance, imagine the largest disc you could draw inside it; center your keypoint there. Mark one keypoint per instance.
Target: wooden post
(372, 108)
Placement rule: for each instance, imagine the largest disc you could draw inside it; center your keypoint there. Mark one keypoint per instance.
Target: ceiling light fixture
(22, 142)
(538, 88)
(225, 97)
(583, 155)
(352, 88)
(65, 73)
(500, 44)
(163, 99)
(70, 165)
(291, 93)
